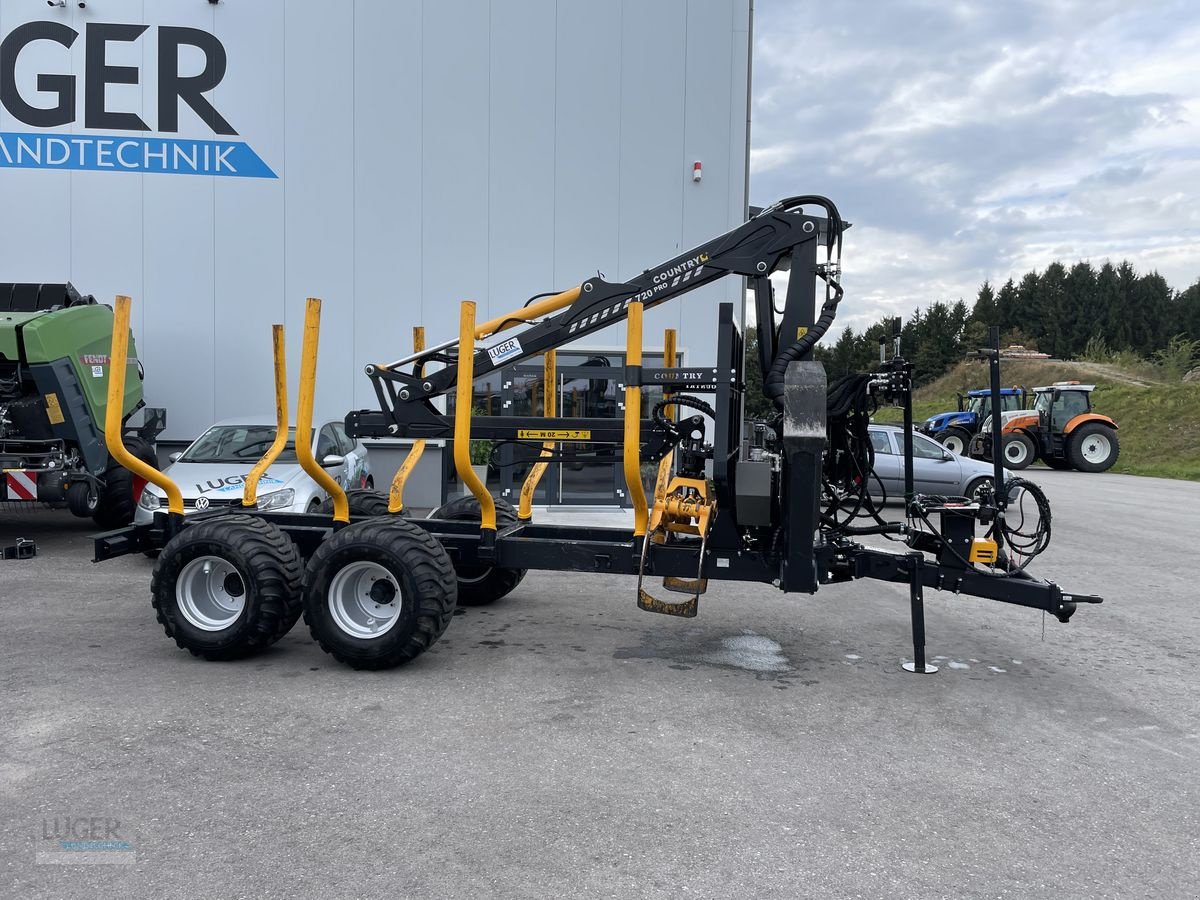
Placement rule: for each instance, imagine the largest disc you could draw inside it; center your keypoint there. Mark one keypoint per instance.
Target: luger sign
(115, 152)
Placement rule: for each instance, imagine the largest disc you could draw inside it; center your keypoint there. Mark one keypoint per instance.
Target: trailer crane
(791, 507)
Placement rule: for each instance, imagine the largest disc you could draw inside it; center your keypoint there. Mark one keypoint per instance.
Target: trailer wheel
(379, 593)
(362, 503)
(1093, 447)
(481, 585)
(1019, 451)
(228, 587)
(117, 501)
(954, 439)
(83, 498)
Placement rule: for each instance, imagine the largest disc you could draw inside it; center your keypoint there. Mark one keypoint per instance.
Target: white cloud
(980, 140)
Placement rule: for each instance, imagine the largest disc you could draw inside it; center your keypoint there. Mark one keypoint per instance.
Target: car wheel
(975, 486)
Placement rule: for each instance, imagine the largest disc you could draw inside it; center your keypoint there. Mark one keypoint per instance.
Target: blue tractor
(954, 430)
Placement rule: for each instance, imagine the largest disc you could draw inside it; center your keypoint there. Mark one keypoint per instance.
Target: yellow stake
(664, 465)
(462, 418)
(117, 361)
(549, 379)
(304, 411)
(250, 491)
(396, 494)
(632, 450)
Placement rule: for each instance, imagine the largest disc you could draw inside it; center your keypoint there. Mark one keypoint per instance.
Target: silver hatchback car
(935, 469)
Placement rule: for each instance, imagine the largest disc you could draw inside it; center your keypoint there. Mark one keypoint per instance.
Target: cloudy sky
(977, 140)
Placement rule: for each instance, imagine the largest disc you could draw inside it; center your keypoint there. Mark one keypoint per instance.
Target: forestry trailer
(377, 589)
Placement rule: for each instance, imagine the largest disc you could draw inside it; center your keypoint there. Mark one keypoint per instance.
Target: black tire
(1093, 447)
(1053, 462)
(481, 585)
(362, 503)
(117, 502)
(959, 440)
(1019, 451)
(83, 498)
(408, 558)
(270, 571)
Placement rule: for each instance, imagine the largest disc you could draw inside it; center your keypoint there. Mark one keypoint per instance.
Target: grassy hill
(1158, 422)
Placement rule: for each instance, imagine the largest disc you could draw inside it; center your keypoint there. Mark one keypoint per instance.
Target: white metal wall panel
(178, 306)
(248, 278)
(587, 146)
(652, 170)
(387, 185)
(426, 152)
(319, 189)
(35, 207)
(521, 227)
(105, 225)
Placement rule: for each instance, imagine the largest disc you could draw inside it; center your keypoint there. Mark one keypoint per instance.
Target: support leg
(917, 598)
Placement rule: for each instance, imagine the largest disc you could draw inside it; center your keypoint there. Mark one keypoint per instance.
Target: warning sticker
(53, 411)
(801, 331)
(554, 434)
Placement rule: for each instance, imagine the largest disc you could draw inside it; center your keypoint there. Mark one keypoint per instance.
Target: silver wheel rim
(954, 444)
(1014, 452)
(1096, 448)
(365, 600)
(210, 593)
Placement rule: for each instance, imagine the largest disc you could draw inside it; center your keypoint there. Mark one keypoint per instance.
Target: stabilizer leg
(917, 598)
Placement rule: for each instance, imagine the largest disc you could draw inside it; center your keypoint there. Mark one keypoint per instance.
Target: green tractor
(54, 345)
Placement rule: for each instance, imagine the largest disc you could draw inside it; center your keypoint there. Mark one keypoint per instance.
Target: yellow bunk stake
(396, 494)
(664, 466)
(304, 411)
(549, 381)
(462, 418)
(113, 412)
(250, 491)
(632, 448)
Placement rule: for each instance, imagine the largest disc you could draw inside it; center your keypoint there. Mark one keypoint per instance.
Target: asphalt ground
(563, 744)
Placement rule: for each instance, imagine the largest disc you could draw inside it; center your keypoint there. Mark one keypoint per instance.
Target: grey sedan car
(935, 469)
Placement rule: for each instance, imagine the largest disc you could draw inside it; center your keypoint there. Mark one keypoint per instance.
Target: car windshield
(1044, 399)
(238, 444)
(975, 405)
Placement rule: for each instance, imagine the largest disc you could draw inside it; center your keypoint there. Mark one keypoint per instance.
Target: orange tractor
(1061, 430)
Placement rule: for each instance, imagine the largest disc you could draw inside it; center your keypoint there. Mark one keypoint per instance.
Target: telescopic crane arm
(770, 242)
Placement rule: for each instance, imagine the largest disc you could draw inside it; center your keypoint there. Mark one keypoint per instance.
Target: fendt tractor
(54, 368)
(377, 590)
(954, 430)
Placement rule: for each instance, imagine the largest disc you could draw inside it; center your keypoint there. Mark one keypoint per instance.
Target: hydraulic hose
(773, 381)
